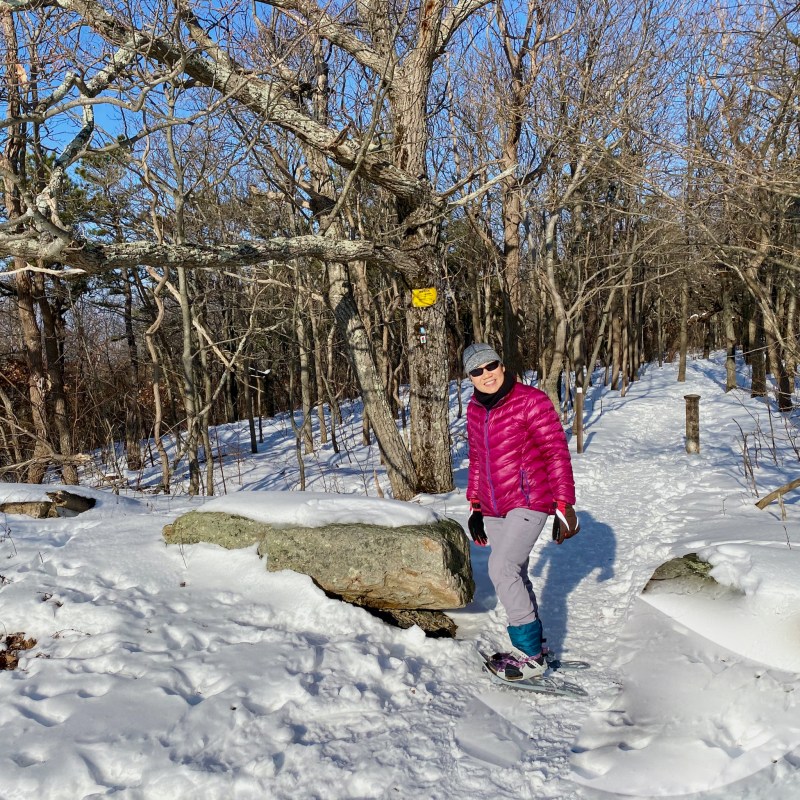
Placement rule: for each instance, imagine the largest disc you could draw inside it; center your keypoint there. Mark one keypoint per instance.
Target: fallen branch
(787, 487)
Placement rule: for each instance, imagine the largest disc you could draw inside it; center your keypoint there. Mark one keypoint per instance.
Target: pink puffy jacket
(518, 455)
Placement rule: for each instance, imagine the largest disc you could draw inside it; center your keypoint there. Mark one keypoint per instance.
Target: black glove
(565, 523)
(475, 524)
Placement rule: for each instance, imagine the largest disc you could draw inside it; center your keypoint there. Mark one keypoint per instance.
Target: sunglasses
(490, 367)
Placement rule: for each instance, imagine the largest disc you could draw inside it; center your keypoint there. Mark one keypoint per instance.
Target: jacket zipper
(525, 486)
(489, 461)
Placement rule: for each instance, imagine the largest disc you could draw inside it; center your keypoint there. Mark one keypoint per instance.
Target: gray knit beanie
(478, 354)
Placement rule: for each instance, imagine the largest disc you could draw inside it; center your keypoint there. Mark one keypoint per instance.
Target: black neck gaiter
(489, 401)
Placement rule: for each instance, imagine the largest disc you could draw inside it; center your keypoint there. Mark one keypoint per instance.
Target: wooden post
(692, 423)
(579, 418)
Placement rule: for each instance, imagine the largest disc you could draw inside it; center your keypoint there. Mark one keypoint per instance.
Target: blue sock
(527, 638)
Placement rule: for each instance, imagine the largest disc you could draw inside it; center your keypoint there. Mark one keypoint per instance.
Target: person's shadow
(594, 549)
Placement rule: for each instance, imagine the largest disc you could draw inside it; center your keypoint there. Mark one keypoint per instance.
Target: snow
(190, 671)
(316, 509)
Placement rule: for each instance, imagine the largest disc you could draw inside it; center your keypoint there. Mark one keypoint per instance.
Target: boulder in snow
(420, 566)
(230, 531)
(686, 574)
(410, 567)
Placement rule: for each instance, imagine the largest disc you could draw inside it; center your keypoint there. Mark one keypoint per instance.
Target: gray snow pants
(512, 538)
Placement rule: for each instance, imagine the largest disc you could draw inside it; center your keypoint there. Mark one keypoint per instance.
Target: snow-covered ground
(191, 672)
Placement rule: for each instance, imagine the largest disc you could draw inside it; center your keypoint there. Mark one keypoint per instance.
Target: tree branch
(787, 487)
(334, 32)
(265, 97)
(97, 258)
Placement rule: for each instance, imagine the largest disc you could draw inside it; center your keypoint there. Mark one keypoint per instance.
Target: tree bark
(616, 347)
(730, 335)
(757, 356)
(53, 349)
(319, 374)
(158, 417)
(13, 163)
(305, 379)
(399, 465)
(37, 381)
(601, 336)
(684, 329)
(133, 417)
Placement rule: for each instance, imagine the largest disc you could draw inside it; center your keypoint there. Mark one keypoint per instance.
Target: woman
(520, 472)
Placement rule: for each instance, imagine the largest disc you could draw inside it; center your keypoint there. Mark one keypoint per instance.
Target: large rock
(215, 527)
(423, 566)
(436, 624)
(413, 566)
(686, 574)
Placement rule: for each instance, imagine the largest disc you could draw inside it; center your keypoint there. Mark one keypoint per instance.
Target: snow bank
(317, 509)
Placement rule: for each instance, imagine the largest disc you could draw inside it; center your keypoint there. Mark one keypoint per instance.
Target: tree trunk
(158, 410)
(601, 335)
(133, 417)
(399, 465)
(319, 374)
(188, 385)
(511, 278)
(560, 321)
(208, 404)
(53, 349)
(297, 429)
(660, 328)
(249, 404)
(684, 329)
(758, 356)
(420, 221)
(637, 329)
(11, 437)
(616, 348)
(625, 342)
(730, 334)
(358, 273)
(428, 365)
(37, 381)
(557, 361)
(305, 380)
(474, 285)
(791, 329)
(776, 351)
(578, 353)
(13, 162)
(333, 402)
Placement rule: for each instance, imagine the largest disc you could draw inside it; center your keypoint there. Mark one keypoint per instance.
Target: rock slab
(215, 527)
(687, 574)
(408, 567)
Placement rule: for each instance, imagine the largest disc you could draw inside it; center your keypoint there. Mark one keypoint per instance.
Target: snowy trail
(639, 494)
(164, 672)
(725, 727)
(587, 586)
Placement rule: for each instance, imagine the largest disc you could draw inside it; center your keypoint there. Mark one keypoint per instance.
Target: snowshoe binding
(523, 672)
(511, 667)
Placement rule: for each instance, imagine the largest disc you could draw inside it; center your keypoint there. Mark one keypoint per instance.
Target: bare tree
(745, 92)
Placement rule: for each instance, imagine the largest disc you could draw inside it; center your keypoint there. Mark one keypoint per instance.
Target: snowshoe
(507, 669)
